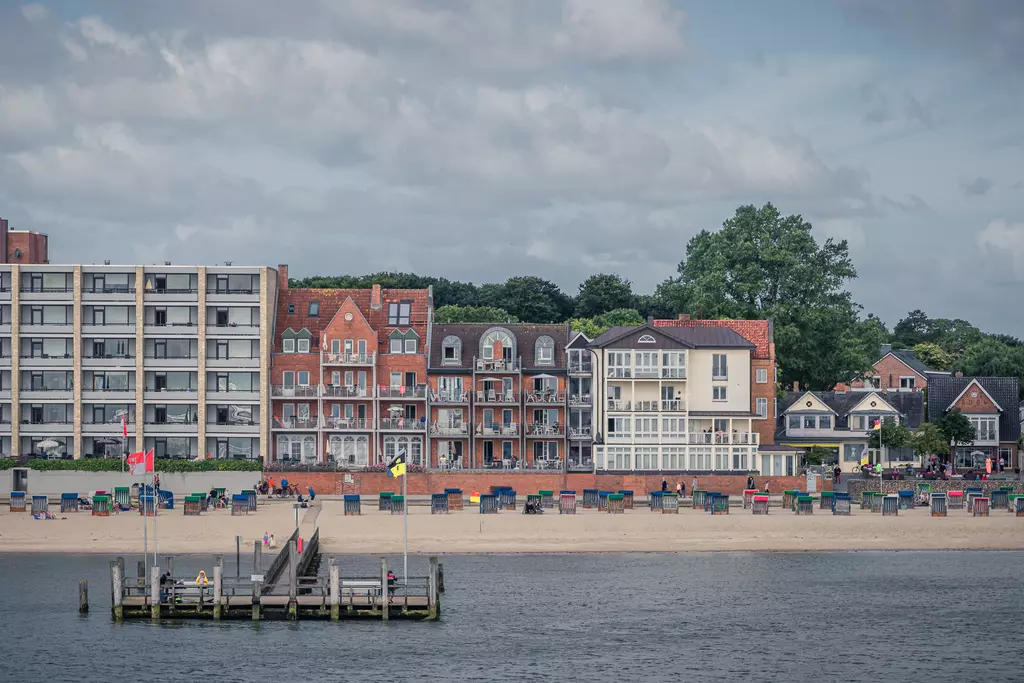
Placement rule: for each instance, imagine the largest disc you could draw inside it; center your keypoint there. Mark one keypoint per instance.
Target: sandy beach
(469, 532)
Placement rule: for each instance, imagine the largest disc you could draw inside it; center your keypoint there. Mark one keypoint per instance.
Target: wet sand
(513, 532)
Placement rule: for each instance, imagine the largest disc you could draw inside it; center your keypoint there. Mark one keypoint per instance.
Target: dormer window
(545, 351)
(645, 339)
(497, 336)
(451, 350)
(314, 309)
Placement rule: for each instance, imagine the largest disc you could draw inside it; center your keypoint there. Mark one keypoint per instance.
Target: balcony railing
(664, 405)
(172, 290)
(403, 424)
(234, 423)
(581, 400)
(46, 422)
(584, 432)
(620, 373)
(109, 290)
(498, 429)
(47, 290)
(497, 364)
(541, 429)
(723, 438)
(449, 396)
(418, 391)
(549, 397)
(619, 404)
(211, 290)
(673, 373)
(493, 396)
(153, 323)
(296, 423)
(581, 367)
(449, 430)
(279, 390)
(332, 391)
(350, 423)
(343, 358)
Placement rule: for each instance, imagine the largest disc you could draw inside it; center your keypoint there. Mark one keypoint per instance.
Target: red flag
(141, 462)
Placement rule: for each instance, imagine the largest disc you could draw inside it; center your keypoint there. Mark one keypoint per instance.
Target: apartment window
(646, 363)
(395, 345)
(302, 345)
(825, 422)
(451, 350)
(985, 428)
(291, 309)
(718, 393)
(396, 379)
(620, 364)
(618, 426)
(545, 351)
(645, 339)
(761, 376)
(673, 364)
(794, 422)
(810, 422)
(907, 382)
(410, 345)
(314, 309)
(719, 367)
(761, 407)
(288, 345)
(399, 313)
(303, 378)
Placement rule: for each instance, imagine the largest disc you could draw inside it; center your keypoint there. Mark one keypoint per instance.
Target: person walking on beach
(750, 483)
(266, 539)
(272, 543)
(766, 488)
(679, 489)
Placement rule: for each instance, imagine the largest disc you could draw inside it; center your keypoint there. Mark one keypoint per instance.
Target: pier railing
(280, 563)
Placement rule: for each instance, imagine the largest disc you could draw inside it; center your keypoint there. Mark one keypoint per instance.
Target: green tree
(912, 330)
(930, 440)
(588, 326)
(763, 264)
(818, 455)
(893, 434)
(529, 299)
(473, 314)
(592, 327)
(602, 293)
(956, 428)
(934, 356)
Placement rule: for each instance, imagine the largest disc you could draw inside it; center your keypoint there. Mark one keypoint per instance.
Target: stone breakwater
(858, 486)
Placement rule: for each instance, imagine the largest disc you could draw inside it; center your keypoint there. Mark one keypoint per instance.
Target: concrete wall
(55, 483)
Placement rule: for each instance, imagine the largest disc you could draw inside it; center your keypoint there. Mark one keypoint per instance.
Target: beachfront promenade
(468, 531)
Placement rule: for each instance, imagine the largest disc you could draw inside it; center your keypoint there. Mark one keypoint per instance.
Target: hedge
(114, 465)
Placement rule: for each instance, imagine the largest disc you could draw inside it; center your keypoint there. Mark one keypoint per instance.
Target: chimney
(650, 320)
(282, 276)
(796, 386)
(959, 373)
(684, 316)
(375, 297)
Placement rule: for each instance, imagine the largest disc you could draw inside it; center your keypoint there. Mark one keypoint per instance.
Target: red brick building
(349, 374)
(23, 246)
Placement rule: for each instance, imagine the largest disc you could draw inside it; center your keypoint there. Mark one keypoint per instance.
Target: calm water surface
(722, 617)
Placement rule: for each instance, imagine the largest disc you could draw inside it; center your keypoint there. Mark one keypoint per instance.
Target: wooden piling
(140, 573)
(154, 592)
(433, 602)
(334, 578)
(256, 601)
(117, 588)
(218, 586)
(257, 557)
(83, 596)
(238, 557)
(385, 595)
(293, 580)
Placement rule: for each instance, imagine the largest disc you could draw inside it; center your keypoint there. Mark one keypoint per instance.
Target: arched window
(308, 449)
(334, 448)
(645, 339)
(451, 350)
(415, 451)
(283, 448)
(362, 451)
(497, 336)
(389, 449)
(544, 351)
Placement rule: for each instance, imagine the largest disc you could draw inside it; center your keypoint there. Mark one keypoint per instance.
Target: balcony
(348, 424)
(109, 361)
(29, 428)
(171, 296)
(31, 329)
(584, 367)
(232, 296)
(107, 428)
(230, 427)
(497, 364)
(46, 361)
(403, 424)
(153, 329)
(449, 397)
(237, 362)
(31, 294)
(232, 396)
(581, 401)
(296, 423)
(544, 397)
(354, 392)
(170, 362)
(170, 428)
(723, 439)
(665, 405)
(584, 433)
(40, 394)
(545, 430)
(402, 392)
(497, 397)
(124, 395)
(232, 330)
(510, 429)
(673, 405)
(619, 406)
(108, 295)
(108, 330)
(461, 430)
(280, 391)
(620, 373)
(673, 373)
(343, 358)
(166, 395)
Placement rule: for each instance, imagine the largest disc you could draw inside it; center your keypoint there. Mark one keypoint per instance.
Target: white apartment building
(673, 399)
(181, 351)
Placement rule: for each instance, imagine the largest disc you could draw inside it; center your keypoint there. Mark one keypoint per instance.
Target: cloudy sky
(479, 139)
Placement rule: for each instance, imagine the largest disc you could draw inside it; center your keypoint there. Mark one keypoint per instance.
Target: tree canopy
(473, 314)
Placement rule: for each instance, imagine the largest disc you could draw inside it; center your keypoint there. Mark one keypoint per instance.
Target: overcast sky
(478, 140)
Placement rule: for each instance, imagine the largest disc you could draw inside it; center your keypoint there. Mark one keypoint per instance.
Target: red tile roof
(757, 332)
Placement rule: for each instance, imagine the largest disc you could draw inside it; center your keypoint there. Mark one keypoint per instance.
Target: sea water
(864, 616)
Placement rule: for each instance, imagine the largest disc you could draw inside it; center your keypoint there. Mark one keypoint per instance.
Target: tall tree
(930, 440)
(934, 356)
(529, 298)
(473, 314)
(602, 293)
(912, 330)
(763, 264)
(956, 428)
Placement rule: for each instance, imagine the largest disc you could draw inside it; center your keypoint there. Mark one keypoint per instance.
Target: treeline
(760, 264)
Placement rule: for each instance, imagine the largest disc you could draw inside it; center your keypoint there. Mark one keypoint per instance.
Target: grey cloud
(978, 187)
(913, 204)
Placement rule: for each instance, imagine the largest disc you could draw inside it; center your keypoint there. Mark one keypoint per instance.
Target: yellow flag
(864, 460)
(397, 467)
(878, 425)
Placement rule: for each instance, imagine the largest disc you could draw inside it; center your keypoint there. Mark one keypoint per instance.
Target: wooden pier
(291, 589)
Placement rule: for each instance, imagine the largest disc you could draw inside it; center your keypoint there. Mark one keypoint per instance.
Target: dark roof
(526, 336)
(942, 391)
(910, 405)
(578, 340)
(692, 337)
(910, 359)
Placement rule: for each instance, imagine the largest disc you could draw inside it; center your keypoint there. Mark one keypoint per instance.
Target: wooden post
(154, 592)
(170, 566)
(141, 573)
(257, 557)
(83, 596)
(218, 586)
(335, 588)
(117, 589)
(432, 586)
(256, 601)
(440, 578)
(293, 578)
(384, 597)
(238, 557)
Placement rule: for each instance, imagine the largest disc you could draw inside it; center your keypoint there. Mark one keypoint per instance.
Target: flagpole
(405, 527)
(156, 510)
